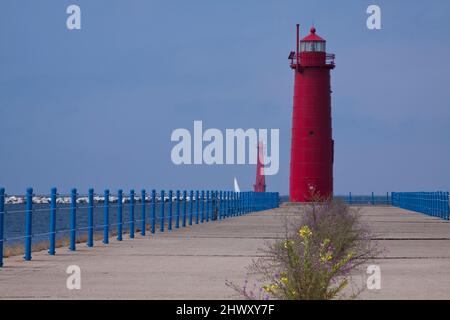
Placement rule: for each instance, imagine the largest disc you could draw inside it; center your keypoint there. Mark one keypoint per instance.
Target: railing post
(439, 198)
(214, 205)
(239, 203)
(90, 242)
(238, 209)
(197, 207)
(2, 223)
(207, 206)
(421, 202)
(153, 214)
(73, 220)
(241, 207)
(258, 203)
(177, 211)
(429, 203)
(437, 204)
(106, 217)
(119, 214)
(216, 211)
(230, 203)
(211, 205)
(226, 203)
(219, 204)
(447, 206)
(224, 206)
(143, 216)
(28, 223)
(161, 212)
(247, 202)
(169, 208)
(275, 200)
(373, 199)
(52, 240)
(271, 201)
(131, 214)
(202, 219)
(444, 205)
(191, 204)
(236, 199)
(183, 222)
(433, 204)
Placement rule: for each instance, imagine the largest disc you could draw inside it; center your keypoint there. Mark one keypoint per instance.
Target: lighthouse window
(312, 46)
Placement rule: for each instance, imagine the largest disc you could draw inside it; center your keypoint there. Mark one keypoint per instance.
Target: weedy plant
(322, 246)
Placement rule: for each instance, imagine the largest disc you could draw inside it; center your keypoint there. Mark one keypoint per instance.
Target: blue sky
(96, 107)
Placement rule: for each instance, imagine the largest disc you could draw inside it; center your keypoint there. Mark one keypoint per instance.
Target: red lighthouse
(312, 145)
(260, 185)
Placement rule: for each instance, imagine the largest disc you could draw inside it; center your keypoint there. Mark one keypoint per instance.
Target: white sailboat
(236, 186)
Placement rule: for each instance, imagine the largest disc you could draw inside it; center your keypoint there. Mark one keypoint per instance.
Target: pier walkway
(195, 262)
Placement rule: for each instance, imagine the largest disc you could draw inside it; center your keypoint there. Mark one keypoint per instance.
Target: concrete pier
(195, 262)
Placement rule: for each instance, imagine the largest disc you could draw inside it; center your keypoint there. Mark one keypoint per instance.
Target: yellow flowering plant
(314, 260)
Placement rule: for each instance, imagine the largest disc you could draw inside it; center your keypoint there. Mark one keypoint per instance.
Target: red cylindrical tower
(312, 144)
(260, 185)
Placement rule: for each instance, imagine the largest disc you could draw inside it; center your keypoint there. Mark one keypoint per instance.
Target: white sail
(236, 186)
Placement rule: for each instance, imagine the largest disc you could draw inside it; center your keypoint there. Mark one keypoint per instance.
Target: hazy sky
(96, 107)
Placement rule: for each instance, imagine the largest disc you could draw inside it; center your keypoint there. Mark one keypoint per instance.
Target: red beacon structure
(312, 146)
(260, 185)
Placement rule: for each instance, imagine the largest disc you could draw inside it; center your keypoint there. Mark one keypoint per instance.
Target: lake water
(15, 219)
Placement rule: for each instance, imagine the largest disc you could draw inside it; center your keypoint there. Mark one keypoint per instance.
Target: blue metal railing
(203, 206)
(371, 199)
(434, 204)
